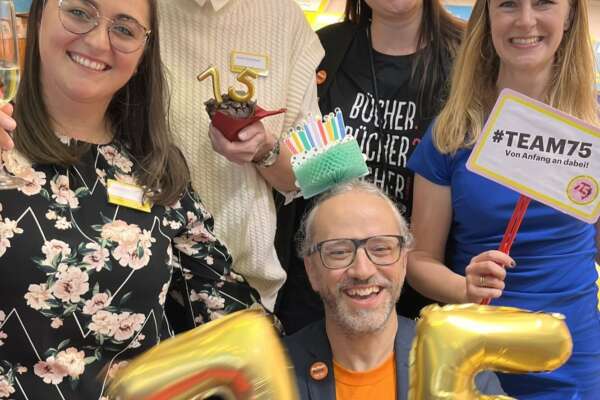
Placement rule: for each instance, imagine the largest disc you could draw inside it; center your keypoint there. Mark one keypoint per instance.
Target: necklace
(373, 76)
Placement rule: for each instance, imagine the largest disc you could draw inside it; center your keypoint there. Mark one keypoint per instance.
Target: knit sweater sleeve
(306, 55)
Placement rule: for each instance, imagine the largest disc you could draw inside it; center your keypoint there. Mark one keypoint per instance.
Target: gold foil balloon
(454, 343)
(236, 357)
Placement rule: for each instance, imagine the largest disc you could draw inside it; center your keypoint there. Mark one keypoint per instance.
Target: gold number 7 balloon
(236, 357)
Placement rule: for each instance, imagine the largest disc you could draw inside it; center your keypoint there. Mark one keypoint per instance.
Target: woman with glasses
(105, 223)
(386, 68)
(543, 50)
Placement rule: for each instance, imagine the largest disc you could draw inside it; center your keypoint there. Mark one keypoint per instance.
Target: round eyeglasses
(382, 250)
(81, 16)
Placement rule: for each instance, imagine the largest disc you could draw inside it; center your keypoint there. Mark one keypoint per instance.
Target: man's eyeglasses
(81, 16)
(382, 250)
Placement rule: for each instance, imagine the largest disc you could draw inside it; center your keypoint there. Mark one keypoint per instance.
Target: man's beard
(360, 321)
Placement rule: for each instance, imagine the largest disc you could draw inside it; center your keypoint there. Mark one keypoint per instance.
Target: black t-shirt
(389, 133)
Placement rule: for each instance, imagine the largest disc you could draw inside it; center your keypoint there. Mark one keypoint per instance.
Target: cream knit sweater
(194, 36)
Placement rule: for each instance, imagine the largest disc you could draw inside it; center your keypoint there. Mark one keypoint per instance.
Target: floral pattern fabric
(84, 282)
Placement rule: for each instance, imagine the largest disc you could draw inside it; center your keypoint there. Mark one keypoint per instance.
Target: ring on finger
(482, 281)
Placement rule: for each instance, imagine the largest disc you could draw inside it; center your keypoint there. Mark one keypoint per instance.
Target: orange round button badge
(319, 371)
(321, 76)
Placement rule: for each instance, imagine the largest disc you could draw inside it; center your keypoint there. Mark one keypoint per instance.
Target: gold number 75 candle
(232, 112)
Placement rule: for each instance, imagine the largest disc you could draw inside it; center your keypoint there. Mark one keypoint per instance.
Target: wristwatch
(270, 158)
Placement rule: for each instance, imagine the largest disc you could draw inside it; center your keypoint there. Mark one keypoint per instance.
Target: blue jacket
(311, 345)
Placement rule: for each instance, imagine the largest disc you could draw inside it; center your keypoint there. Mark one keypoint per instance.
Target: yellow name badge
(127, 195)
(239, 61)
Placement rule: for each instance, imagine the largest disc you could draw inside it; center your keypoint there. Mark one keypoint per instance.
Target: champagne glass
(9, 74)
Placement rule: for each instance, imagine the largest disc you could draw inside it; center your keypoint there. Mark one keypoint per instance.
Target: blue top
(555, 269)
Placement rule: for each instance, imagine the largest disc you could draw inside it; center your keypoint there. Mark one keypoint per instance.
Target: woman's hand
(485, 275)
(254, 143)
(7, 124)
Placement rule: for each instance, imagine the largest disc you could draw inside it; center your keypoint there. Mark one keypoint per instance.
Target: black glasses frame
(358, 243)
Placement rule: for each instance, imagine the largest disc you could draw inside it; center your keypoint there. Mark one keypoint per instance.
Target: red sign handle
(512, 228)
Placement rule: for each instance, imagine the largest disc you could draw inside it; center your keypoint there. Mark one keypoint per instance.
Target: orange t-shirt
(376, 384)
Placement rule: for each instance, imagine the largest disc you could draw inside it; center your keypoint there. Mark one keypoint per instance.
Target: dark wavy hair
(439, 38)
(137, 113)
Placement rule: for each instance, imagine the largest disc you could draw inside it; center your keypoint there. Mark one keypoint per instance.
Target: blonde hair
(473, 86)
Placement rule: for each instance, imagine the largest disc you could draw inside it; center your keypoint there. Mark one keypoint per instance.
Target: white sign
(542, 153)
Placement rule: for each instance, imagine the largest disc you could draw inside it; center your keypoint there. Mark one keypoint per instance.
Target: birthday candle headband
(323, 155)
(316, 133)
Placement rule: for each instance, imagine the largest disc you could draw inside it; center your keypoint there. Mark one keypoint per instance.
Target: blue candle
(309, 135)
(340, 121)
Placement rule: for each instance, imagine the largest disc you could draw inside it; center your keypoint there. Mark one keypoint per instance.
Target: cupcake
(232, 112)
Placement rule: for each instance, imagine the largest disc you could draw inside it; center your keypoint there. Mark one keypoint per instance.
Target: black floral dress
(83, 282)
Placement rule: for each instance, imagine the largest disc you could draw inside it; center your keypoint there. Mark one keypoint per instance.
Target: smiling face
(86, 68)
(361, 298)
(527, 33)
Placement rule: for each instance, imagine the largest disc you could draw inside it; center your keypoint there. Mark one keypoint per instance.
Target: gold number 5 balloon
(237, 357)
(455, 342)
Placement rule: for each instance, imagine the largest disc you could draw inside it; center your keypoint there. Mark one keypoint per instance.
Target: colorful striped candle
(329, 128)
(316, 133)
(290, 143)
(336, 129)
(298, 142)
(308, 133)
(310, 136)
(340, 120)
(303, 136)
(333, 122)
(322, 131)
(312, 122)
